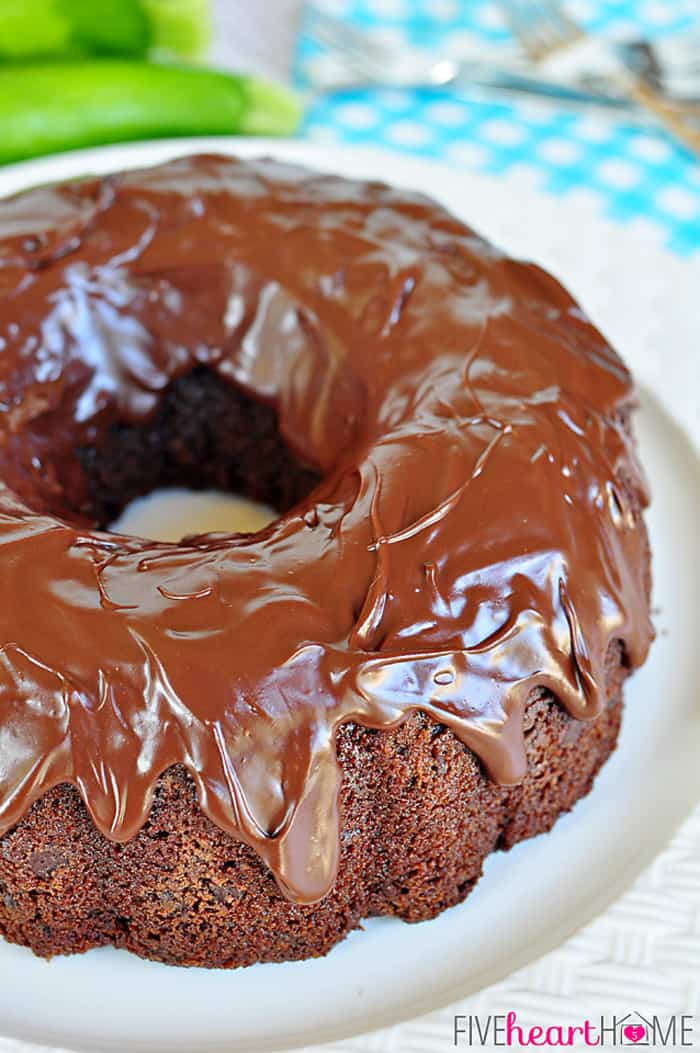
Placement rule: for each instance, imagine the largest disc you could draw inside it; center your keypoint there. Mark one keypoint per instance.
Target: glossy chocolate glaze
(471, 539)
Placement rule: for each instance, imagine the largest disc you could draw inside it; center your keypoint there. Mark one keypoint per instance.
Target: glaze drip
(474, 535)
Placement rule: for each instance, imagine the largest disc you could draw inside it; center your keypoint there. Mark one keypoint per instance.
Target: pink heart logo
(634, 1032)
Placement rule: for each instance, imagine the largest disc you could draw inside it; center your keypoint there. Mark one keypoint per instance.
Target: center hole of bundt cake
(210, 458)
(169, 515)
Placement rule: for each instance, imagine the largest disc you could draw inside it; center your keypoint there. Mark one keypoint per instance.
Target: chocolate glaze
(472, 537)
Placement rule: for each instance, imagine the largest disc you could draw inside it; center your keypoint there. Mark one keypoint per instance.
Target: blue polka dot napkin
(634, 168)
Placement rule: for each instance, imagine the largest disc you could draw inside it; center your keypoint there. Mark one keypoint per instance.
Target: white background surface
(645, 951)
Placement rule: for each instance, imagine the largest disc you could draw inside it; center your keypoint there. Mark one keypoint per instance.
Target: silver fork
(670, 66)
(361, 60)
(541, 27)
(557, 45)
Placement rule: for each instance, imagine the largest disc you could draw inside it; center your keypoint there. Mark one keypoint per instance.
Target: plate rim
(51, 168)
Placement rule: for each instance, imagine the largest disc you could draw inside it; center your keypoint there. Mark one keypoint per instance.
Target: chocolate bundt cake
(235, 748)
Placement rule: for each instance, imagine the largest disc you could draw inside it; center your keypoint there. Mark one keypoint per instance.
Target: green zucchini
(63, 28)
(48, 107)
(52, 29)
(179, 27)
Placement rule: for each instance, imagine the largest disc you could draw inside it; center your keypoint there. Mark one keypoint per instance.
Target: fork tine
(345, 36)
(568, 30)
(357, 53)
(513, 15)
(540, 26)
(362, 64)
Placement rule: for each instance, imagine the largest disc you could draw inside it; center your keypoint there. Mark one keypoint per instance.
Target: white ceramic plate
(534, 897)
